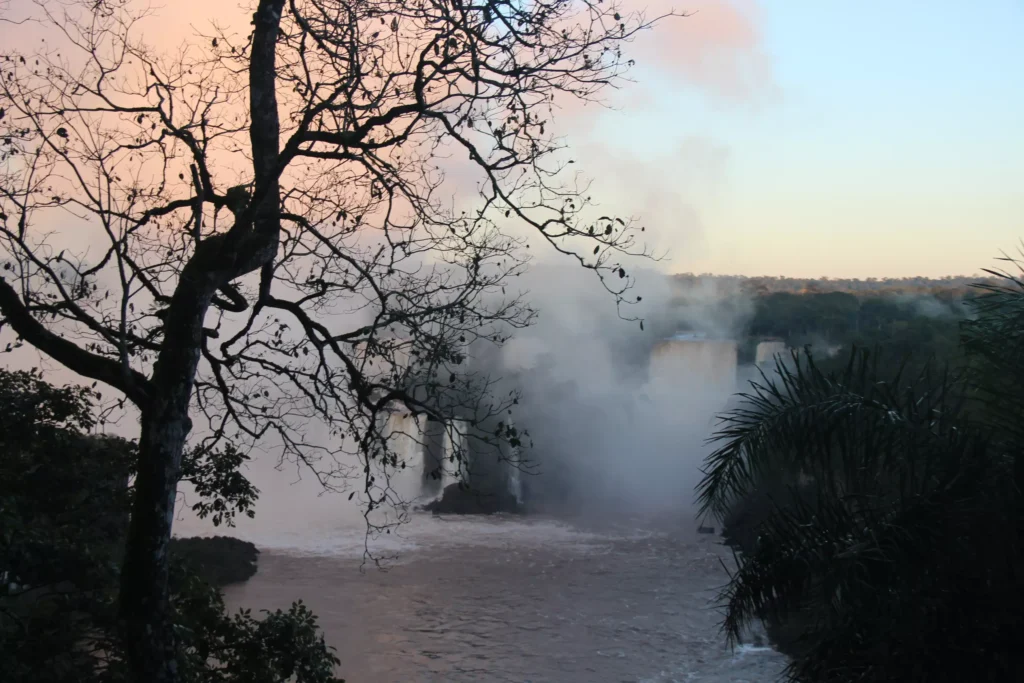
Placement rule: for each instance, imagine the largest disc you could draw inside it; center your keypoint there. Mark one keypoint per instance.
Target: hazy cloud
(718, 47)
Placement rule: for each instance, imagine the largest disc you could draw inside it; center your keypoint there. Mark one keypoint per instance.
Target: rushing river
(511, 599)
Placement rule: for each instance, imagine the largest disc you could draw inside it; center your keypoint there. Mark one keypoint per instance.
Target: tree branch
(130, 382)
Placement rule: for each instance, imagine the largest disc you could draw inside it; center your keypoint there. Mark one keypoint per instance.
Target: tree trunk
(144, 600)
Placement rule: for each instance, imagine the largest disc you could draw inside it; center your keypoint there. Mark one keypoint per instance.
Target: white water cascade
(693, 377)
(768, 350)
(708, 364)
(514, 473)
(454, 470)
(429, 451)
(404, 434)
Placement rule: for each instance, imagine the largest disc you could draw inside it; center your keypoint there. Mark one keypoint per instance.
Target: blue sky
(882, 138)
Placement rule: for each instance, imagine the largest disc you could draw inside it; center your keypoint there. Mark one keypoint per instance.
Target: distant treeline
(902, 326)
(766, 284)
(918, 317)
(840, 317)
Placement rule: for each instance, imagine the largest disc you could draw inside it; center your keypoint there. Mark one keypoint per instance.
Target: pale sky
(799, 137)
(878, 138)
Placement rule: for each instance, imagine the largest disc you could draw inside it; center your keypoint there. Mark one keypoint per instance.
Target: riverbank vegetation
(878, 513)
(217, 560)
(65, 497)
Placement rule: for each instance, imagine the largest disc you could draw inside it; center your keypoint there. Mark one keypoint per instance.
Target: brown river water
(518, 599)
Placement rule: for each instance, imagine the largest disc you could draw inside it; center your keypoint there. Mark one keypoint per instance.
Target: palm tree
(890, 544)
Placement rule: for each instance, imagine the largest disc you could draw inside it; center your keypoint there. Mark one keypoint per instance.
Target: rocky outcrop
(457, 499)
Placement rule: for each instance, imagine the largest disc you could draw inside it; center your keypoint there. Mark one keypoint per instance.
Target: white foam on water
(342, 538)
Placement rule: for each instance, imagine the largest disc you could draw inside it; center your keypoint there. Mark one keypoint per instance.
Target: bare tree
(254, 232)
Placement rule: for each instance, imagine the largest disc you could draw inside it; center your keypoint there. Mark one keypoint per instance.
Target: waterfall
(404, 435)
(433, 460)
(768, 350)
(514, 474)
(436, 449)
(429, 451)
(708, 366)
(707, 363)
(456, 443)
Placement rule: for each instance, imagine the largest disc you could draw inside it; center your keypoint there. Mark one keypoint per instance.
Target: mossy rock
(459, 500)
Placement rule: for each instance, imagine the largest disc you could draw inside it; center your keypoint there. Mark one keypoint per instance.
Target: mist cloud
(606, 434)
(719, 47)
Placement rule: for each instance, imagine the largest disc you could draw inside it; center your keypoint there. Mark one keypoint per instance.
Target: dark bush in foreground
(64, 502)
(218, 560)
(740, 529)
(899, 557)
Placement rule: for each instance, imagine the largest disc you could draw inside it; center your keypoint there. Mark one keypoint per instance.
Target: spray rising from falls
(768, 351)
(612, 417)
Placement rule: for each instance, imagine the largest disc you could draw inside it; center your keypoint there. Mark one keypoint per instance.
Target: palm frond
(995, 342)
(892, 544)
(860, 575)
(805, 422)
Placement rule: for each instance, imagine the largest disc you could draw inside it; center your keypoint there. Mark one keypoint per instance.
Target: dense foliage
(218, 560)
(841, 318)
(64, 504)
(909, 318)
(767, 284)
(883, 510)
